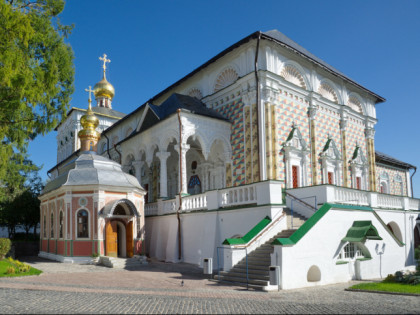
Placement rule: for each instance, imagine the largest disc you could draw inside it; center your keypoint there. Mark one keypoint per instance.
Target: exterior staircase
(122, 263)
(259, 260)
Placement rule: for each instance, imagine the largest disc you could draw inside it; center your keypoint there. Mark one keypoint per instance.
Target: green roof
(250, 235)
(300, 232)
(360, 231)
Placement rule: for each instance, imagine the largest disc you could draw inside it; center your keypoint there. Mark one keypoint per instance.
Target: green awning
(360, 231)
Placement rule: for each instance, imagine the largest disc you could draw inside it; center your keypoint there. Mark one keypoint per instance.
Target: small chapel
(263, 158)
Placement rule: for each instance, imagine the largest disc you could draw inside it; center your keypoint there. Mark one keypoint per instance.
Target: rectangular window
(61, 225)
(52, 225)
(45, 226)
(138, 228)
(331, 178)
(349, 251)
(295, 174)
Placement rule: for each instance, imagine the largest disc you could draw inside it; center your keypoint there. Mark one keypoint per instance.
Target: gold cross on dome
(105, 60)
(90, 91)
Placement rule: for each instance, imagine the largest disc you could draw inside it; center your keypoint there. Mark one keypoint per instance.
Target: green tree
(36, 74)
(19, 204)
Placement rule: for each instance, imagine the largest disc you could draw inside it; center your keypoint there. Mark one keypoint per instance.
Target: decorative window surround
(331, 162)
(296, 154)
(384, 183)
(359, 169)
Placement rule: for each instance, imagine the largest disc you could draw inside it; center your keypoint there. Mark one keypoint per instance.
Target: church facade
(263, 139)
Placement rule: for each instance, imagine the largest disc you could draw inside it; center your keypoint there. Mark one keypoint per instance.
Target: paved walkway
(156, 288)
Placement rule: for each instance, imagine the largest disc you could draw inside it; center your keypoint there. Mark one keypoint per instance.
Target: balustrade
(388, 201)
(238, 196)
(247, 195)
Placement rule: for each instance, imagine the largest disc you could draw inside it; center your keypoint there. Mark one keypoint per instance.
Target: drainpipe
(180, 184)
(119, 153)
(107, 145)
(257, 83)
(411, 181)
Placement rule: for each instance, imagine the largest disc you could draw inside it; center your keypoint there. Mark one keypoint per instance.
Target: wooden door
(295, 174)
(111, 239)
(358, 183)
(129, 239)
(331, 178)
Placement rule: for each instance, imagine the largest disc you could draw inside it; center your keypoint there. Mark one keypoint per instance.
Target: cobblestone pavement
(156, 288)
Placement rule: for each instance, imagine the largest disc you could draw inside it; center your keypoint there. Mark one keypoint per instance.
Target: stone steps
(259, 260)
(122, 263)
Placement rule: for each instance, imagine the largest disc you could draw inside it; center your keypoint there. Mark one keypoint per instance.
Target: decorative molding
(327, 91)
(355, 104)
(195, 92)
(292, 74)
(225, 78)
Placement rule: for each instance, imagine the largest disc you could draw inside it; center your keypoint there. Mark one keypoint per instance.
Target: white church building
(261, 159)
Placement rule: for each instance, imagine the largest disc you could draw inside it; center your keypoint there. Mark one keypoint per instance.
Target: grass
(388, 287)
(5, 264)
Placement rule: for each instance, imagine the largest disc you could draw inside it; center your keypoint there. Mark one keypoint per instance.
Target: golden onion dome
(89, 123)
(89, 120)
(103, 89)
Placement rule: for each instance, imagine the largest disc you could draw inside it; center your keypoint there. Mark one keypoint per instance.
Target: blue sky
(153, 44)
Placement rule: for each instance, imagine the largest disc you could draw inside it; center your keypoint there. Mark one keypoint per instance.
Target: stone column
(138, 166)
(182, 178)
(312, 110)
(163, 156)
(370, 134)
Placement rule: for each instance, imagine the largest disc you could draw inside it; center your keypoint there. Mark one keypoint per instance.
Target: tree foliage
(19, 203)
(36, 73)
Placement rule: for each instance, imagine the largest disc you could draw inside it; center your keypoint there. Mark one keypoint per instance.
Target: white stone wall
(321, 244)
(201, 233)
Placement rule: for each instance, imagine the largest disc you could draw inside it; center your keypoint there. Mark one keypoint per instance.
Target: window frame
(87, 224)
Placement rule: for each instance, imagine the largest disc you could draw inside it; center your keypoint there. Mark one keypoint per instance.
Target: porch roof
(360, 231)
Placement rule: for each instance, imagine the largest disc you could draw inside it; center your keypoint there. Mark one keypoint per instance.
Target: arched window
(82, 224)
(399, 188)
(60, 234)
(52, 225)
(384, 183)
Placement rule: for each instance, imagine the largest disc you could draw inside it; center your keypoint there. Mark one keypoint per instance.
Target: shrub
(5, 245)
(417, 257)
(389, 278)
(94, 255)
(10, 270)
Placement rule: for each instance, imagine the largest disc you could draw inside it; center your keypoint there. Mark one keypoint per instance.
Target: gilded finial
(105, 60)
(88, 135)
(90, 98)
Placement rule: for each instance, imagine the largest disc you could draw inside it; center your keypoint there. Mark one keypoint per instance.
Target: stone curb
(382, 292)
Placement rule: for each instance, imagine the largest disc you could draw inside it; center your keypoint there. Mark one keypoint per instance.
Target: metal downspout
(107, 145)
(180, 183)
(119, 153)
(257, 83)
(411, 182)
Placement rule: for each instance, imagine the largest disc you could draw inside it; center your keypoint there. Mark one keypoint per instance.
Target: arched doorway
(416, 237)
(119, 233)
(119, 240)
